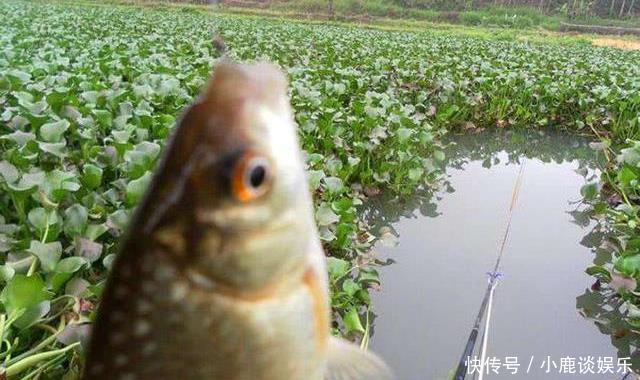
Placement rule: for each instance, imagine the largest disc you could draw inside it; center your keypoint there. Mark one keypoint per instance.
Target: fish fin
(346, 361)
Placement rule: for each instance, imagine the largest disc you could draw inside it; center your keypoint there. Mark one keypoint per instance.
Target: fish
(221, 274)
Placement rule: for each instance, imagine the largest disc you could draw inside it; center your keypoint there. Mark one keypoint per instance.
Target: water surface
(431, 295)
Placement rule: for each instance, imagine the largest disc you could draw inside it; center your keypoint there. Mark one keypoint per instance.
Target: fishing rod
(487, 300)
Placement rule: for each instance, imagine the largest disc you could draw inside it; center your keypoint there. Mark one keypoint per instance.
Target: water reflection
(548, 147)
(490, 148)
(430, 297)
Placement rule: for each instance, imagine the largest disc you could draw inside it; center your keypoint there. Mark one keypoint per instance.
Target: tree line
(572, 8)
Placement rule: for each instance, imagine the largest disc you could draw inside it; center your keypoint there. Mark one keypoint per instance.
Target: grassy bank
(88, 95)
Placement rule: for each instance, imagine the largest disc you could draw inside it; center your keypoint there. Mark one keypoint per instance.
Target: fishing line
(487, 301)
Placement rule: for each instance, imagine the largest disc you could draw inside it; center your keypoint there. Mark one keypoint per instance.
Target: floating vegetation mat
(89, 94)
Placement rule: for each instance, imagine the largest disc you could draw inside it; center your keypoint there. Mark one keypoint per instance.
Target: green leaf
(589, 191)
(70, 264)
(333, 184)
(118, 220)
(91, 176)
(104, 117)
(137, 187)
(599, 272)
(48, 253)
(20, 75)
(88, 249)
(369, 275)
(337, 267)
(415, 174)
(625, 176)
(343, 205)
(65, 270)
(97, 289)
(75, 220)
(57, 149)
(53, 132)
(6, 273)
(90, 97)
(325, 215)
(33, 314)
(23, 292)
(29, 182)
(352, 321)
(9, 172)
(630, 155)
(77, 287)
(108, 261)
(94, 231)
(629, 265)
(59, 183)
(141, 159)
(404, 134)
(19, 137)
(315, 176)
(41, 218)
(350, 287)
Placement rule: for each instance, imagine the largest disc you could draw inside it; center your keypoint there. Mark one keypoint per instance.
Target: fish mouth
(257, 220)
(204, 283)
(238, 217)
(201, 279)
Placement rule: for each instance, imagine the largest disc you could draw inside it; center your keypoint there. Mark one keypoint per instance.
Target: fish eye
(257, 174)
(250, 177)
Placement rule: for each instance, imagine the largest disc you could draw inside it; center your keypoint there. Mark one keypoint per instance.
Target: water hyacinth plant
(89, 94)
